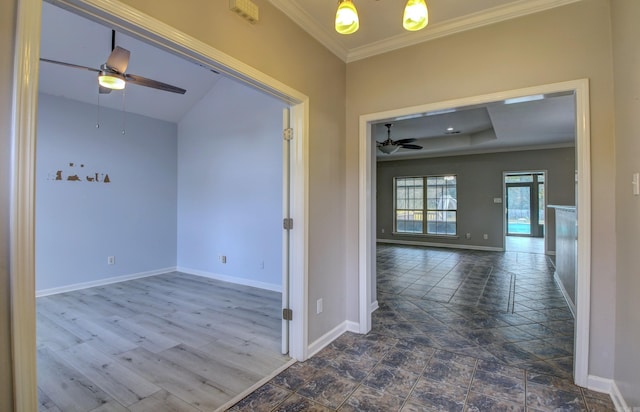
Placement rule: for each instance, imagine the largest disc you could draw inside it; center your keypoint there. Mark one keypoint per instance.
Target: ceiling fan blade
(404, 141)
(143, 81)
(75, 66)
(410, 146)
(104, 90)
(118, 59)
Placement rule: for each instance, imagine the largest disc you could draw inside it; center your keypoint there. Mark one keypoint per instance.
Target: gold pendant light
(416, 15)
(346, 17)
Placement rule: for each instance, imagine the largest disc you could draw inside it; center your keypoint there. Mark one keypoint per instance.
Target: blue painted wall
(230, 186)
(80, 223)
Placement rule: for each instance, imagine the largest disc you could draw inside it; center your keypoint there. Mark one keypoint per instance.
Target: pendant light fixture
(346, 17)
(416, 15)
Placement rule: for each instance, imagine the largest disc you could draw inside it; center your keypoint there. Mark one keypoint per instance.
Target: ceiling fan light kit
(415, 17)
(388, 149)
(113, 81)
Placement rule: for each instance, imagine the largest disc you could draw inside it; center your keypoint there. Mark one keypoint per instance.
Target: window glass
(433, 211)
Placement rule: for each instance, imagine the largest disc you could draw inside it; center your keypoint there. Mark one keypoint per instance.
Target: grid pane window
(409, 205)
(432, 211)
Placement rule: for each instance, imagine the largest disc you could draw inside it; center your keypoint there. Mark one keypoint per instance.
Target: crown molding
(469, 22)
(299, 16)
(472, 21)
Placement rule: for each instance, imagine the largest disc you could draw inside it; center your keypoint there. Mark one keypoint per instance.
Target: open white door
(286, 219)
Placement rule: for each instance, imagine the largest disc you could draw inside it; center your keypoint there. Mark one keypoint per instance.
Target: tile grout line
(418, 380)
(473, 377)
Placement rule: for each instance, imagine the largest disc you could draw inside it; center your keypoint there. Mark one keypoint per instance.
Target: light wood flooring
(172, 342)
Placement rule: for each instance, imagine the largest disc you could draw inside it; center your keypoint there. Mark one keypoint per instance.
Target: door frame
(367, 207)
(534, 188)
(23, 132)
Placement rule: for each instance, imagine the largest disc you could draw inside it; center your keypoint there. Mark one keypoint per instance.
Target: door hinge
(287, 134)
(287, 314)
(287, 223)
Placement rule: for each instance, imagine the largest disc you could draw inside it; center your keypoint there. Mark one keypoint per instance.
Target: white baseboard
(598, 384)
(232, 279)
(102, 282)
(572, 307)
(444, 245)
(618, 400)
(330, 336)
(353, 327)
(374, 306)
(608, 386)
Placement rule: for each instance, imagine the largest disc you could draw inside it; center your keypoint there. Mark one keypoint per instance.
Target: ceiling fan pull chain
(123, 112)
(98, 113)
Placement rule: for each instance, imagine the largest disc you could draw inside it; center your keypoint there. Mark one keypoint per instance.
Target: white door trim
(24, 119)
(367, 244)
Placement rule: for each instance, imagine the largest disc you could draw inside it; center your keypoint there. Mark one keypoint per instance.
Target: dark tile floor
(456, 330)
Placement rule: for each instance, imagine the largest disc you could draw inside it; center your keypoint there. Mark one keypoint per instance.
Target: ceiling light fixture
(388, 149)
(415, 17)
(111, 80)
(346, 17)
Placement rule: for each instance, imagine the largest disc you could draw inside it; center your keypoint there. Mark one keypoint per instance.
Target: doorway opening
(578, 92)
(525, 211)
(141, 26)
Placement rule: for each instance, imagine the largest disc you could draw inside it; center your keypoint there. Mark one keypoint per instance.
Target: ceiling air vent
(245, 8)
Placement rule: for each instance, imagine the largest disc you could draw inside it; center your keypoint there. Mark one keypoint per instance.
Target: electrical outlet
(485, 236)
(468, 236)
(111, 260)
(319, 306)
(223, 259)
(382, 230)
(262, 264)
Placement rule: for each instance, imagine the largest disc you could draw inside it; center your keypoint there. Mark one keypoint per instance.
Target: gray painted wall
(479, 181)
(230, 185)
(80, 223)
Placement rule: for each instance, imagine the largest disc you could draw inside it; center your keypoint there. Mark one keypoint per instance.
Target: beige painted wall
(563, 44)
(7, 28)
(626, 59)
(566, 43)
(281, 49)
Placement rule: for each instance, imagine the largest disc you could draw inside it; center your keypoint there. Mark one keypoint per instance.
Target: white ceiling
(381, 21)
(69, 38)
(494, 127)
